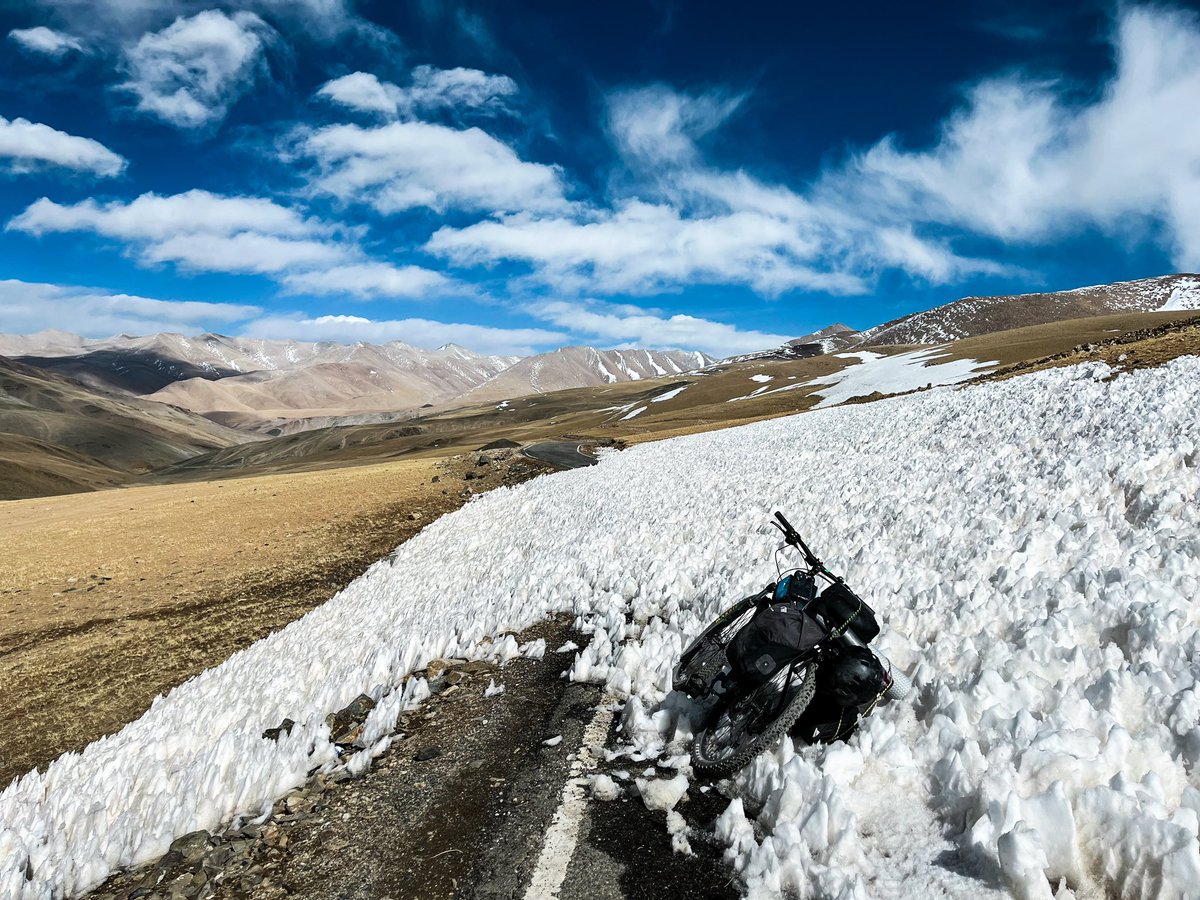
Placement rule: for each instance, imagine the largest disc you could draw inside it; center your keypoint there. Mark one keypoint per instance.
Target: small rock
(435, 479)
(414, 516)
(191, 846)
(477, 667)
(440, 666)
(483, 461)
(471, 475)
(285, 727)
(457, 676)
(427, 753)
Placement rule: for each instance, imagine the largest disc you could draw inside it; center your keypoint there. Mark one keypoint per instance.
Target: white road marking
(559, 846)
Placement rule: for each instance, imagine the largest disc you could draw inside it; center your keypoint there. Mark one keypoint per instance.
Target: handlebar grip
(787, 526)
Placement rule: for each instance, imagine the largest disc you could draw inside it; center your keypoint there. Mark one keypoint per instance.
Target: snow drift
(1033, 547)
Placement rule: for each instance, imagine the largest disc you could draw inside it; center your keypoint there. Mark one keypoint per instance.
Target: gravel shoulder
(457, 807)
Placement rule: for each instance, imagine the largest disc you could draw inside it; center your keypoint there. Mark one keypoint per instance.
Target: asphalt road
(564, 454)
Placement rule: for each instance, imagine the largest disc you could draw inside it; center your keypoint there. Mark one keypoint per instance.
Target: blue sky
(521, 175)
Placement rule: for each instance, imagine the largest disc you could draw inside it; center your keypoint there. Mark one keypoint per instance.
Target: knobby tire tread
(764, 740)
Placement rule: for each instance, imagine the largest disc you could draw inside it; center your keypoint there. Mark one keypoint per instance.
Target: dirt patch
(416, 824)
(109, 599)
(1142, 348)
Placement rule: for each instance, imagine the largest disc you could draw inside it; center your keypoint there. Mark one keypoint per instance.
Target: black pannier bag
(778, 633)
(844, 610)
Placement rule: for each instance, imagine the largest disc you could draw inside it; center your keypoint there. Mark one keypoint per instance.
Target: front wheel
(705, 656)
(754, 721)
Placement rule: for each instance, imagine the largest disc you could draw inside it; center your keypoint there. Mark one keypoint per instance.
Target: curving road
(563, 454)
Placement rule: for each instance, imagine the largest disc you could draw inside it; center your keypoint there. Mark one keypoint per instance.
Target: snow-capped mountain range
(263, 384)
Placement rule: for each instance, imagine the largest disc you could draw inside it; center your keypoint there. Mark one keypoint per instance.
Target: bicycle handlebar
(792, 536)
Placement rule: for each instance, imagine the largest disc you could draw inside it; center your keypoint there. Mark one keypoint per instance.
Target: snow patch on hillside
(1032, 545)
(893, 374)
(1184, 295)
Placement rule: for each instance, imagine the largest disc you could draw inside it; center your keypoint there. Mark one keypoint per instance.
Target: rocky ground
(456, 807)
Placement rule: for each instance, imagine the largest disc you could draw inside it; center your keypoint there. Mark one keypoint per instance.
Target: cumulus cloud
(191, 72)
(198, 230)
(45, 41)
(421, 332)
(370, 280)
(405, 165)
(361, 91)
(28, 307)
(644, 328)
(431, 90)
(31, 145)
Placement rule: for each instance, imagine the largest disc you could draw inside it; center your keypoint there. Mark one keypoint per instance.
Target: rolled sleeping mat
(901, 686)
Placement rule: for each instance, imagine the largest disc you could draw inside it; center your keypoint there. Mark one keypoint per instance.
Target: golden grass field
(108, 599)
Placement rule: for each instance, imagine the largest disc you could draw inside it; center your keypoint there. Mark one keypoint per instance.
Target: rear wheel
(754, 721)
(705, 656)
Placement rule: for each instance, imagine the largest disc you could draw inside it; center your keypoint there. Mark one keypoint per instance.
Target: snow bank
(893, 374)
(1033, 546)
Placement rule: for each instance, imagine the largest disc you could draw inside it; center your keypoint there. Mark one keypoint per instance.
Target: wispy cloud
(27, 146)
(45, 41)
(28, 307)
(422, 332)
(1018, 163)
(432, 90)
(371, 280)
(609, 324)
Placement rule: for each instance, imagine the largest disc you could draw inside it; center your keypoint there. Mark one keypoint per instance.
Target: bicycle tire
(705, 655)
(707, 741)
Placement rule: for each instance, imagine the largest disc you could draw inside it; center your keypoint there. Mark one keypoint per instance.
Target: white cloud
(362, 91)
(245, 252)
(45, 41)
(705, 225)
(192, 71)
(421, 332)
(28, 307)
(457, 88)
(369, 280)
(405, 165)
(1020, 163)
(646, 329)
(198, 230)
(656, 124)
(432, 89)
(645, 248)
(321, 20)
(30, 145)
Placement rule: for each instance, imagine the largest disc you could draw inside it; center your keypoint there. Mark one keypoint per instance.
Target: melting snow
(1032, 545)
(892, 374)
(635, 413)
(670, 395)
(762, 378)
(1185, 295)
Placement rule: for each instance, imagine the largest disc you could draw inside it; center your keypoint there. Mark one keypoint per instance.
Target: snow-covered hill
(570, 367)
(1033, 546)
(972, 316)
